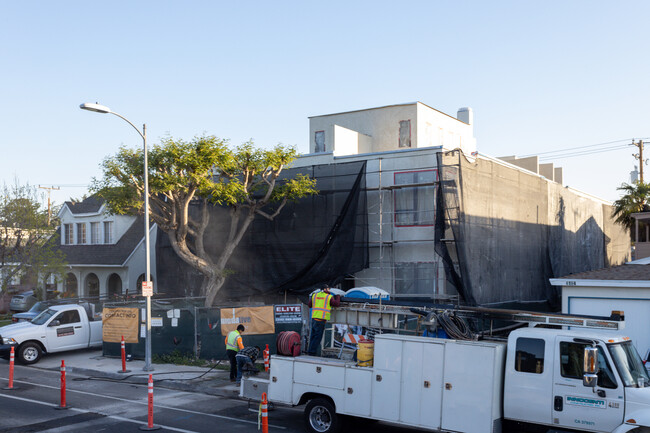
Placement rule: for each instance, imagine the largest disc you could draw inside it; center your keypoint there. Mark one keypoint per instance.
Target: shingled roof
(622, 273)
(89, 205)
(101, 254)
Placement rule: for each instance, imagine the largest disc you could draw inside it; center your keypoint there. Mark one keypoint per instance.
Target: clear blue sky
(540, 76)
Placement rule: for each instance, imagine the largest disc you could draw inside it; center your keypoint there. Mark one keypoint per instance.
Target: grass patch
(5, 319)
(179, 358)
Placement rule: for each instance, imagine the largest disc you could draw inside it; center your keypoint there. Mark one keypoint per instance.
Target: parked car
(23, 301)
(27, 316)
(59, 328)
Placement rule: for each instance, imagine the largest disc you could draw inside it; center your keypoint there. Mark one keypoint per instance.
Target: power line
(584, 152)
(582, 147)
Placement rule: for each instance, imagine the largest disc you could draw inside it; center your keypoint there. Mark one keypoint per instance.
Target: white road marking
(74, 409)
(145, 403)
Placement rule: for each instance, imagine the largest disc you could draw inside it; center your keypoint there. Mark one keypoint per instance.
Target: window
(67, 317)
(416, 278)
(414, 205)
(95, 233)
(68, 234)
(319, 138)
(81, 233)
(108, 232)
(572, 361)
(404, 133)
(529, 357)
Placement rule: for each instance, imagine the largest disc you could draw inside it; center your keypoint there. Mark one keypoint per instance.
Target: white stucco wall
(380, 124)
(380, 127)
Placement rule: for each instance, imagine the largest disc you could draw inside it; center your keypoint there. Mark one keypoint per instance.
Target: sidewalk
(180, 377)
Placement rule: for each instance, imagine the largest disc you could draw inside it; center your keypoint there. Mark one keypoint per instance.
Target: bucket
(365, 353)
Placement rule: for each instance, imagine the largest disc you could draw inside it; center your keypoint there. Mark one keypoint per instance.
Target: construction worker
(234, 344)
(246, 358)
(321, 304)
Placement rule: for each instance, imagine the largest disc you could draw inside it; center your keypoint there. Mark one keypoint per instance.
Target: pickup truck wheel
(29, 353)
(321, 417)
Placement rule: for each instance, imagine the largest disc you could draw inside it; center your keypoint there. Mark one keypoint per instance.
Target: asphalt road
(106, 406)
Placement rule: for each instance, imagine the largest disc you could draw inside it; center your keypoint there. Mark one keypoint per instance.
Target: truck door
(582, 407)
(68, 334)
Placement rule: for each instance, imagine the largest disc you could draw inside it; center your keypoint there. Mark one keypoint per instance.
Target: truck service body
(59, 328)
(533, 378)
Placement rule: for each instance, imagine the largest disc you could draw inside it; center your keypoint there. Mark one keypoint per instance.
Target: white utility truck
(537, 379)
(59, 328)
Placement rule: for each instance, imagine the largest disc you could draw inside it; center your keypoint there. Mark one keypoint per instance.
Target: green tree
(24, 236)
(634, 199)
(204, 171)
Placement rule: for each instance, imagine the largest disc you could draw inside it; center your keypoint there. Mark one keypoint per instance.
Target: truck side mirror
(54, 323)
(590, 367)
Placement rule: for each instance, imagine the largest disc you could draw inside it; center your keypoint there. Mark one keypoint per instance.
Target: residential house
(105, 253)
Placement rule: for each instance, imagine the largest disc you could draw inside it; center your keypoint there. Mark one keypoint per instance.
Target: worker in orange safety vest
(234, 344)
(321, 304)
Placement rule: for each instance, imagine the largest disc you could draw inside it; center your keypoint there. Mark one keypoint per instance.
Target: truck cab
(545, 381)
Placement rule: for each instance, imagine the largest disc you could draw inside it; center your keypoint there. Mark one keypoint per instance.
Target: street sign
(147, 288)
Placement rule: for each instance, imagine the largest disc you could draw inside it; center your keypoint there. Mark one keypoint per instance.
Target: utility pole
(639, 156)
(56, 188)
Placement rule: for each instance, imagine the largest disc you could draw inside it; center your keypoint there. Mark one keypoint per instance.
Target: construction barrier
(10, 386)
(265, 414)
(123, 348)
(63, 404)
(267, 361)
(150, 425)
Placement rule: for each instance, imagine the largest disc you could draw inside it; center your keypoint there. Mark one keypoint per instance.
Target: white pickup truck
(553, 380)
(59, 328)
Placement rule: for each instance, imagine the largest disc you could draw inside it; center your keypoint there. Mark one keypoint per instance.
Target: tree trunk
(212, 287)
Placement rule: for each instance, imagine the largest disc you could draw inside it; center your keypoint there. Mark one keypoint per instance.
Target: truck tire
(29, 353)
(320, 417)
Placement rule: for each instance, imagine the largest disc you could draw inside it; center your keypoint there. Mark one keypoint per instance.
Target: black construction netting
(503, 233)
(319, 239)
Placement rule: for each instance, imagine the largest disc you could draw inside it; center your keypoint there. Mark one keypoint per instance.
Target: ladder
(389, 316)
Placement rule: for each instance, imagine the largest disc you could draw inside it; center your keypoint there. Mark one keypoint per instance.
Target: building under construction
(406, 204)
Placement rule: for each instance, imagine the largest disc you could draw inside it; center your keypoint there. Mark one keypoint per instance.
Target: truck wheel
(29, 353)
(321, 417)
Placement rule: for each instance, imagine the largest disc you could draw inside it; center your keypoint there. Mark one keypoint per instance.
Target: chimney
(466, 115)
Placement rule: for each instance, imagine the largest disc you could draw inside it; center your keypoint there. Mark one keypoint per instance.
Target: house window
(416, 278)
(319, 138)
(414, 205)
(81, 233)
(95, 233)
(108, 232)
(529, 357)
(404, 133)
(68, 234)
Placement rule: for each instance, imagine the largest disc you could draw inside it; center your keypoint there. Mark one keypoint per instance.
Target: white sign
(156, 321)
(147, 288)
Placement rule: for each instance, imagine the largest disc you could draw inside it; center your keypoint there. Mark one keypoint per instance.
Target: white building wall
(601, 301)
(380, 128)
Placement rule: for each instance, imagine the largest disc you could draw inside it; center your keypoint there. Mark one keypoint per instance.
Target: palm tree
(635, 199)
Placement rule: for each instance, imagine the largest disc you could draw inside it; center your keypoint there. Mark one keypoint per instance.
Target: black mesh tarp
(503, 232)
(319, 239)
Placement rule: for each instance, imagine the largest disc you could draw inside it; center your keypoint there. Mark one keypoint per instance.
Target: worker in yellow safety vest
(234, 344)
(321, 304)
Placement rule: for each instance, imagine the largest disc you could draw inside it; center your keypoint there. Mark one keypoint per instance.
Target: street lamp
(97, 108)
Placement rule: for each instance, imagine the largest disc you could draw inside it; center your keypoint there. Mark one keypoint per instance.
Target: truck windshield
(628, 363)
(44, 317)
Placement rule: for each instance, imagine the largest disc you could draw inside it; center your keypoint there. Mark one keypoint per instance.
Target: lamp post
(105, 110)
